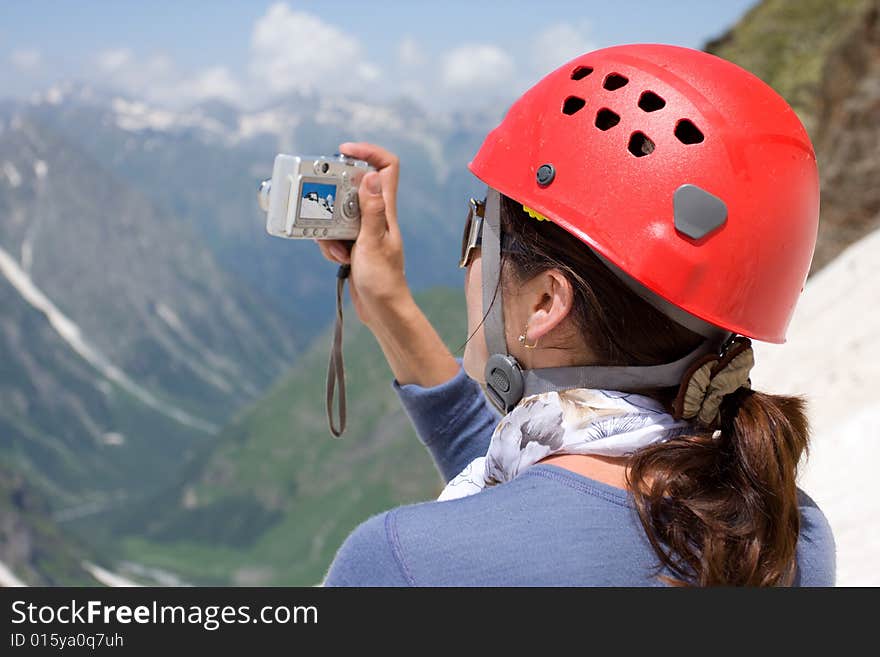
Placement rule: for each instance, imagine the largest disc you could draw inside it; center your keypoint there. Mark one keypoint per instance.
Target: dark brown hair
(719, 508)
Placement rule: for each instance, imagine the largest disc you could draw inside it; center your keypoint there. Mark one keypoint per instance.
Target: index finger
(375, 156)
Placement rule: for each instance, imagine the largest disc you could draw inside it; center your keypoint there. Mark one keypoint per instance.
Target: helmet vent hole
(688, 133)
(573, 104)
(606, 119)
(581, 72)
(640, 145)
(651, 102)
(614, 81)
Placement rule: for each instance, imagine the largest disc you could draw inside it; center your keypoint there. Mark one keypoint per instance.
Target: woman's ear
(552, 298)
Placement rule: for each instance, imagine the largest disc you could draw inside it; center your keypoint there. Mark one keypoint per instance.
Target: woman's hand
(377, 281)
(378, 287)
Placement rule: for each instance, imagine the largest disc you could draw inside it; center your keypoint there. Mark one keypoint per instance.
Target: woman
(648, 207)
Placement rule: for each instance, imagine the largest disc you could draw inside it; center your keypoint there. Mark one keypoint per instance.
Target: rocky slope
(139, 285)
(33, 551)
(848, 136)
(824, 58)
(123, 343)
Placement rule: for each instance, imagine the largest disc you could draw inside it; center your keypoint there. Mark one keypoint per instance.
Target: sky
(178, 53)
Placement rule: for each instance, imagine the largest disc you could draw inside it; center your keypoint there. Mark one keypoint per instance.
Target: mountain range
(203, 165)
(143, 302)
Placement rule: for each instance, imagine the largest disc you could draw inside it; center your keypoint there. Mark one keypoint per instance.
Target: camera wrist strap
(336, 368)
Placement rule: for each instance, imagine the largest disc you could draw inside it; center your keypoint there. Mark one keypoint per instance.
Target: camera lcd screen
(317, 201)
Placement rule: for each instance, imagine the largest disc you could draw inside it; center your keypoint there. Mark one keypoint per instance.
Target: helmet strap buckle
(504, 381)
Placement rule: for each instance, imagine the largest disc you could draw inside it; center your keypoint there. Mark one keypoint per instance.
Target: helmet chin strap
(507, 382)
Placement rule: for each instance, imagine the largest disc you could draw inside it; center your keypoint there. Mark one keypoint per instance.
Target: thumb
(372, 205)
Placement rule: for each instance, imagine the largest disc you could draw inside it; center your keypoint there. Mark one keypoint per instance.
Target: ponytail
(721, 508)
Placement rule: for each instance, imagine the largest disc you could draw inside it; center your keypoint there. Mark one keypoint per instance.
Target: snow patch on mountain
(356, 117)
(360, 116)
(8, 578)
(27, 248)
(832, 359)
(208, 358)
(12, 174)
(113, 438)
(72, 335)
(137, 116)
(269, 122)
(169, 316)
(108, 578)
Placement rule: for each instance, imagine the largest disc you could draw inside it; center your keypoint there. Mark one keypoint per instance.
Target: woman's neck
(608, 470)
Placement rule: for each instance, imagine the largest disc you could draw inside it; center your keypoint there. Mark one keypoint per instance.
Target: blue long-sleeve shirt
(547, 527)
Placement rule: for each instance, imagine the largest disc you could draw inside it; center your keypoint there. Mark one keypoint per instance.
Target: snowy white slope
(106, 577)
(72, 335)
(314, 210)
(833, 359)
(8, 579)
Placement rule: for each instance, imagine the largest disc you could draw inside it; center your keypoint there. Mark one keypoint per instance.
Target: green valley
(277, 495)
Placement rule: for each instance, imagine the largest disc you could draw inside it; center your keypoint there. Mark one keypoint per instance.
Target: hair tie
(534, 214)
(712, 378)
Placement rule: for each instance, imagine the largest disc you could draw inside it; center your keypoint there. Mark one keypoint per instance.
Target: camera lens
(263, 195)
(325, 167)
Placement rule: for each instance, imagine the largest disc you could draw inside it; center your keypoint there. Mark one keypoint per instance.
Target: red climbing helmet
(685, 171)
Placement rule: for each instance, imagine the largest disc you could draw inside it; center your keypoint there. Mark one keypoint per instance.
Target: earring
(522, 338)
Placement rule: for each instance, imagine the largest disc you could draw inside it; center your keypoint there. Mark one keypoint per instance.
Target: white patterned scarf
(577, 421)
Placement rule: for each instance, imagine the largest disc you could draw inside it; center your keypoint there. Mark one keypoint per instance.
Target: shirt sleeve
(454, 420)
(369, 556)
(816, 550)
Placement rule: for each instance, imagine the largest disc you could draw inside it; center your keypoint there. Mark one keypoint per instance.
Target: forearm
(414, 350)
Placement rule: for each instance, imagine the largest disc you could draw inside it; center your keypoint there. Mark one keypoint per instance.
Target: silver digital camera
(313, 197)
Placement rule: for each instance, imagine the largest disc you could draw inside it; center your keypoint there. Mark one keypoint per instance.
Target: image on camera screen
(317, 201)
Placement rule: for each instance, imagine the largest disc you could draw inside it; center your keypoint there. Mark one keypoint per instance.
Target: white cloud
(158, 79)
(368, 72)
(122, 66)
(112, 61)
(409, 53)
(27, 60)
(216, 82)
(558, 44)
(472, 66)
(297, 51)
(289, 51)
